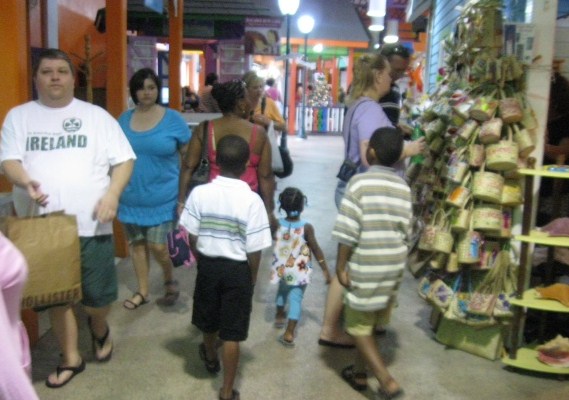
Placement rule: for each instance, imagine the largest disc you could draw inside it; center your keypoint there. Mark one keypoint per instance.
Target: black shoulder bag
(348, 167)
(201, 173)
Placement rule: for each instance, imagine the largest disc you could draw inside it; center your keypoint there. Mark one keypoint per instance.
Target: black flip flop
(234, 395)
(324, 342)
(60, 369)
(389, 396)
(350, 376)
(213, 367)
(131, 305)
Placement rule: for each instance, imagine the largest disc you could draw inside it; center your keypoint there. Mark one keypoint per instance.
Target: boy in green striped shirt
(372, 229)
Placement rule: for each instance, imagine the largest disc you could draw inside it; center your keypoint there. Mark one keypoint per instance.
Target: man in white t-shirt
(66, 154)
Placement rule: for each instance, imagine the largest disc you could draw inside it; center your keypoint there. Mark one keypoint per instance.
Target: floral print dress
(291, 255)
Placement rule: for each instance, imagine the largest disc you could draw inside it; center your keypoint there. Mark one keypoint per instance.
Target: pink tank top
(250, 174)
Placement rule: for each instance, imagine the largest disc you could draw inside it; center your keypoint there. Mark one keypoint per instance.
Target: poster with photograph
(262, 36)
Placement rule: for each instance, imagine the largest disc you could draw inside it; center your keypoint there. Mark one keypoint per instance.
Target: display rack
(526, 357)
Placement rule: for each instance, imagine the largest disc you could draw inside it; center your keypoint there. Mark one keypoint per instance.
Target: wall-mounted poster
(141, 53)
(262, 35)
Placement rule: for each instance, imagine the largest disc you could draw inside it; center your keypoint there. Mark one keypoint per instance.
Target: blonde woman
(372, 81)
(264, 108)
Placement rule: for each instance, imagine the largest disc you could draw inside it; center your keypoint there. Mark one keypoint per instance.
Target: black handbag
(288, 165)
(349, 168)
(201, 173)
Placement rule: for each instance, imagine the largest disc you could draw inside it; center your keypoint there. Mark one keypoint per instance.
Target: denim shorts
(152, 234)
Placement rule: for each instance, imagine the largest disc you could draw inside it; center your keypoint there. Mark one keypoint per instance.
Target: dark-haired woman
(231, 99)
(159, 136)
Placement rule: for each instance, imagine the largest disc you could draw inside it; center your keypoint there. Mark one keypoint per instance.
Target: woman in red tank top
(231, 98)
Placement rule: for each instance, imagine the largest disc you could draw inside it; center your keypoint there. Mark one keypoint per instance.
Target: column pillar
(293, 78)
(117, 85)
(350, 67)
(335, 80)
(176, 21)
(15, 84)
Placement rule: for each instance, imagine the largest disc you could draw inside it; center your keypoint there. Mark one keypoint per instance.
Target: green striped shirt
(374, 218)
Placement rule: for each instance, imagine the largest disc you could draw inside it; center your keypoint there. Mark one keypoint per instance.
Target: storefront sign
(262, 35)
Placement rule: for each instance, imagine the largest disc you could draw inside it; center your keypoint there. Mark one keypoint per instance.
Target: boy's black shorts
(223, 298)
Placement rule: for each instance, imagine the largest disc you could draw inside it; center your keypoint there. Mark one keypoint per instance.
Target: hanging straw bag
(427, 238)
(468, 246)
(457, 166)
(460, 220)
(502, 156)
(487, 217)
(443, 238)
(491, 131)
(524, 141)
(460, 194)
(452, 263)
(511, 193)
(476, 155)
(484, 108)
(465, 132)
(487, 186)
(438, 261)
(511, 110)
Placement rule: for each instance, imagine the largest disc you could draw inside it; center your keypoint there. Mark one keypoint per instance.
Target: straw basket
(434, 128)
(487, 217)
(512, 193)
(502, 156)
(437, 144)
(511, 110)
(452, 263)
(438, 261)
(476, 155)
(484, 109)
(460, 194)
(427, 238)
(461, 219)
(487, 186)
(505, 230)
(457, 167)
(524, 141)
(443, 238)
(466, 130)
(468, 247)
(491, 131)
(463, 109)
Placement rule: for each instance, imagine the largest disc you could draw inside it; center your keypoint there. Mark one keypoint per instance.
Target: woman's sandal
(171, 295)
(129, 304)
(351, 377)
(383, 394)
(234, 395)
(97, 344)
(213, 367)
(389, 396)
(74, 371)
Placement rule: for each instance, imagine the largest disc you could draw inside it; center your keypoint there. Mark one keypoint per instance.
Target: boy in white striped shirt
(372, 228)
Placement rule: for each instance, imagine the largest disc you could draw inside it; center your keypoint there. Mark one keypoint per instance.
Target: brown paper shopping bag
(50, 244)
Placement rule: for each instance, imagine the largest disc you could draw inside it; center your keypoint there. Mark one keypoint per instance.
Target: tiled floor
(156, 350)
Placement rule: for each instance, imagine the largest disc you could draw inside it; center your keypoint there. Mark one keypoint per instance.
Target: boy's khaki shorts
(363, 323)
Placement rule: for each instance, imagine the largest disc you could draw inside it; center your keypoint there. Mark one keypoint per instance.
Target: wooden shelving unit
(526, 357)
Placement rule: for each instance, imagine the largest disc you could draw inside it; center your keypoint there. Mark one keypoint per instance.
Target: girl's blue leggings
(294, 294)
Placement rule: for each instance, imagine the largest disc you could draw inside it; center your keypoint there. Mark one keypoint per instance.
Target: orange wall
(76, 19)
